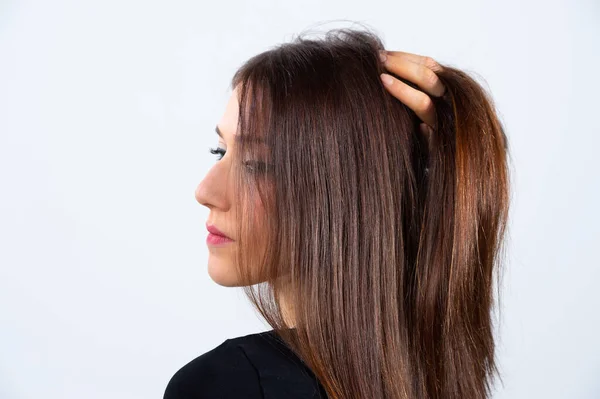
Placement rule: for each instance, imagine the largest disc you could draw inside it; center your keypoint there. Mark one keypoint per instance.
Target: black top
(255, 366)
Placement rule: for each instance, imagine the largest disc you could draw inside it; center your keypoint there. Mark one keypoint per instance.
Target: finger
(418, 73)
(415, 99)
(418, 59)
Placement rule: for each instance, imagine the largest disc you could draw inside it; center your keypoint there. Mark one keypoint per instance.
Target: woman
(370, 248)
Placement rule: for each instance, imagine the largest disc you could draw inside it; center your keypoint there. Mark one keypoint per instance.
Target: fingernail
(382, 55)
(387, 79)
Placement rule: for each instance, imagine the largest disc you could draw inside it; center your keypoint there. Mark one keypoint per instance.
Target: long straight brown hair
(382, 242)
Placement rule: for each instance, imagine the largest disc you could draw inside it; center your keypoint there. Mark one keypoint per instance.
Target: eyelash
(254, 167)
(219, 151)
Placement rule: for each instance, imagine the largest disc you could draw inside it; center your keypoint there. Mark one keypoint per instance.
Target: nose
(212, 191)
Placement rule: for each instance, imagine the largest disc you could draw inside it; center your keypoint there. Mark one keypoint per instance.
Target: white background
(107, 111)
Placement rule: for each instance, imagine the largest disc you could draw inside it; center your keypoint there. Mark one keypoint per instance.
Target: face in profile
(217, 192)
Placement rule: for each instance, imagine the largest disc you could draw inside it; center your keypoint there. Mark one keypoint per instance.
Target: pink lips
(216, 237)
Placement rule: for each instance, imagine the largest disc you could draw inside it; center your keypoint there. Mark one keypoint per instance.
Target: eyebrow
(219, 132)
(239, 138)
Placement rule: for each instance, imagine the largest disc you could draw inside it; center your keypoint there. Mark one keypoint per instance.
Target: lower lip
(214, 239)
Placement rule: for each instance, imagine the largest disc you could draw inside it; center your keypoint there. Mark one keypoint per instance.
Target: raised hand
(420, 70)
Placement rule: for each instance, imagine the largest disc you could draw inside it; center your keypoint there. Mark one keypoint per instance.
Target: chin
(223, 275)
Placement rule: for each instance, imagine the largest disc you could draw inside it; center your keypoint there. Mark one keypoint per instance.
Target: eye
(219, 151)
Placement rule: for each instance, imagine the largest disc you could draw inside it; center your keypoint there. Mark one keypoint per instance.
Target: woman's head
(313, 117)
(388, 269)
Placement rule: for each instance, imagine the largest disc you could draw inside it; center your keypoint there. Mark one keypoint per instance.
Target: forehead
(229, 120)
(228, 125)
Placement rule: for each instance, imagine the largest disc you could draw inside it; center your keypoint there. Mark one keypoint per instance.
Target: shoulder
(224, 372)
(254, 366)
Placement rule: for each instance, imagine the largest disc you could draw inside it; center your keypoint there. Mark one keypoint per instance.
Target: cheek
(259, 211)
(260, 224)
(259, 206)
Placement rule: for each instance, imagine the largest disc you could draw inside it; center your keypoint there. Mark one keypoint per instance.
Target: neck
(287, 309)
(288, 312)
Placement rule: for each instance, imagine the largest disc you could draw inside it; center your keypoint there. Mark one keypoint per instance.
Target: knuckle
(425, 103)
(429, 77)
(431, 63)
